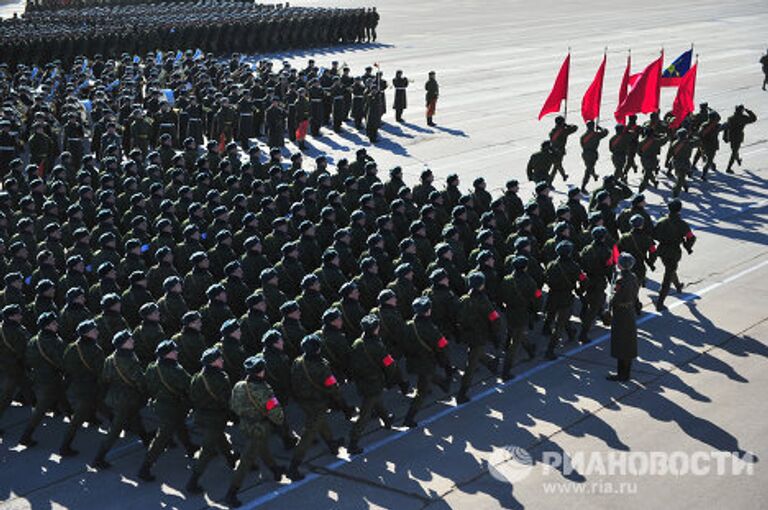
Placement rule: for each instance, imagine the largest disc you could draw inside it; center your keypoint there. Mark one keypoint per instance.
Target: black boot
(293, 472)
(193, 487)
(67, 451)
(354, 448)
(26, 439)
(99, 462)
(231, 498)
(277, 472)
(409, 420)
(462, 396)
(145, 472)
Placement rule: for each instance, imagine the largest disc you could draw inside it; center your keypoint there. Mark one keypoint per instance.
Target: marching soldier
(209, 393)
(558, 137)
(168, 384)
(13, 344)
(563, 276)
(597, 260)
(374, 369)
(734, 133)
(590, 141)
(316, 390)
(425, 350)
(126, 395)
(258, 409)
(480, 323)
(680, 157)
(521, 295)
(44, 356)
(671, 232)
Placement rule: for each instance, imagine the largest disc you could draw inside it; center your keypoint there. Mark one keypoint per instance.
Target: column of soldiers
(231, 294)
(696, 138)
(179, 102)
(220, 27)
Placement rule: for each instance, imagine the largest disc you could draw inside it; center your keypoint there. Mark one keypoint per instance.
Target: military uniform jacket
(372, 364)
(253, 325)
(562, 276)
(13, 344)
(406, 292)
(331, 279)
(424, 346)
(312, 305)
(83, 362)
(109, 324)
(520, 294)
(278, 370)
(445, 308)
(336, 348)
(209, 394)
(168, 384)
(147, 337)
(255, 403)
(478, 318)
(624, 321)
(125, 379)
(44, 356)
(313, 382)
(597, 261)
(392, 329)
(275, 299)
(671, 232)
(172, 309)
(191, 344)
(234, 357)
(214, 314)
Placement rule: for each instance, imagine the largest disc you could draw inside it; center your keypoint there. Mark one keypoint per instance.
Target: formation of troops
(694, 140)
(220, 27)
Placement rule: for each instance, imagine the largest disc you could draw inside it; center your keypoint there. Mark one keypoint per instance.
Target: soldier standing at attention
(589, 144)
(624, 318)
(559, 138)
(209, 393)
(254, 402)
(734, 132)
(764, 62)
(433, 92)
(400, 83)
(671, 232)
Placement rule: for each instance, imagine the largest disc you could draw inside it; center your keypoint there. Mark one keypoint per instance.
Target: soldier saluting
(400, 83)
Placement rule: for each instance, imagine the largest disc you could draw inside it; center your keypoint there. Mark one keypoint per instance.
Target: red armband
(442, 342)
(272, 403)
(329, 381)
(609, 262)
(537, 294)
(493, 316)
(652, 249)
(387, 360)
(582, 277)
(689, 235)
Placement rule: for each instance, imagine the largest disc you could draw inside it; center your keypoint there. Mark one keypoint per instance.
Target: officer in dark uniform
(400, 83)
(623, 318)
(734, 133)
(558, 137)
(13, 344)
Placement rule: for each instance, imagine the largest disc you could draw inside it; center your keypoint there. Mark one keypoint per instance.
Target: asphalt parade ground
(698, 388)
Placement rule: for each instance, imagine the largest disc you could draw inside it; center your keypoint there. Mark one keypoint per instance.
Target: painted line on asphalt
(377, 445)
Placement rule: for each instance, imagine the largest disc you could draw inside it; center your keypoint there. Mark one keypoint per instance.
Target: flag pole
(605, 54)
(565, 113)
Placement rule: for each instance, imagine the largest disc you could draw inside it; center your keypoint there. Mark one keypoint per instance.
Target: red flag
(559, 90)
(615, 254)
(683, 104)
(623, 88)
(644, 96)
(590, 103)
(222, 142)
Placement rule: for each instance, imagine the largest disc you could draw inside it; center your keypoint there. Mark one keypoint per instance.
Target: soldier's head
(200, 260)
(387, 297)
(255, 367)
(599, 234)
(75, 296)
(637, 221)
(564, 249)
(12, 313)
(675, 206)
(138, 279)
(48, 321)
(167, 350)
(476, 281)
(370, 325)
(150, 312)
(230, 329)
(349, 291)
(520, 263)
(740, 108)
(422, 306)
(404, 271)
(334, 318)
(172, 285)
(123, 340)
(192, 320)
(559, 120)
(290, 310)
(216, 292)
(212, 357)
(310, 346)
(626, 261)
(87, 329)
(590, 125)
